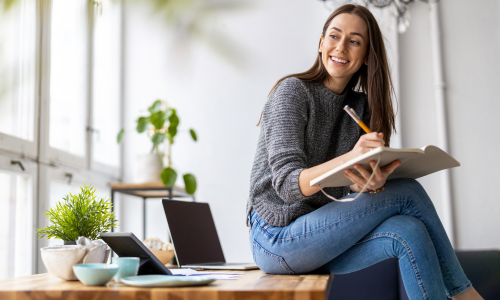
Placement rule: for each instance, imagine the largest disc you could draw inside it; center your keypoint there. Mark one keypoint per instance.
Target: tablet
(126, 244)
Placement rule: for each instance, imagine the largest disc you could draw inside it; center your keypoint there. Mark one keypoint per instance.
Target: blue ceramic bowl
(95, 274)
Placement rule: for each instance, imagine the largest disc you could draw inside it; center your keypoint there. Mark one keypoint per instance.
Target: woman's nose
(341, 47)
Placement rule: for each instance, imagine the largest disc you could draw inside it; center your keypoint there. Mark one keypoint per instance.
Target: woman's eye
(333, 36)
(354, 42)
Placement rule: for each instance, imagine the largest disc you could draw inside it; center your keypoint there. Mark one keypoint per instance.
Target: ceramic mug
(128, 266)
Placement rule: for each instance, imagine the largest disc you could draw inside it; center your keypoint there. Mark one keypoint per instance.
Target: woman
(295, 229)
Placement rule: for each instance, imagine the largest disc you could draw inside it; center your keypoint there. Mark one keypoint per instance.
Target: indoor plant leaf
(79, 215)
(173, 119)
(193, 134)
(169, 176)
(172, 131)
(158, 119)
(158, 138)
(156, 107)
(142, 124)
(119, 138)
(189, 183)
(173, 122)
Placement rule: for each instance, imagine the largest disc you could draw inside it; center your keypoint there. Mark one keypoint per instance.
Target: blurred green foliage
(79, 215)
(161, 126)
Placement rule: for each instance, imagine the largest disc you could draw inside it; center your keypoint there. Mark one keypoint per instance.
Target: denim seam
(253, 224)
(417, 213)
(263, 228)
(410, 254)
(281, 259)
(459, 290)
(370, 210)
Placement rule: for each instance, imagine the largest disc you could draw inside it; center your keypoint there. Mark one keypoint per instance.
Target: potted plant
(79, 215)
(77, 220)
(161, 126)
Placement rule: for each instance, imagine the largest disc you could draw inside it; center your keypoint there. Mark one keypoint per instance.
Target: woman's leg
(406, 238)
(315, 239)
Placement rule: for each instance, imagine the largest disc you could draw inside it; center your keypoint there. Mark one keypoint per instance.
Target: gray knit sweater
(303, 125)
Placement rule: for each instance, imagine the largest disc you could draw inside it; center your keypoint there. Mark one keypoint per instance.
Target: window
(60, 111)
(17, 76)
(16, 203)
(106, 86)
(68, 76)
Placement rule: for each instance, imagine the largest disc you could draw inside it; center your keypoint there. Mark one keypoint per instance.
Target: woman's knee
(407, 232)
(406, 183)
(410, 190)
(408, 227)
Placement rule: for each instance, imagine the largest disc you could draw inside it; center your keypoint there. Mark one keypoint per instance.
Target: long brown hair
(373, 79)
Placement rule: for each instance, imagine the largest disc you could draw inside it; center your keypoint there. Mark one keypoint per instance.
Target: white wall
(471, 41)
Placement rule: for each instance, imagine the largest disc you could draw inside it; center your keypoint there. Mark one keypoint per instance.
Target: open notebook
(415, 163)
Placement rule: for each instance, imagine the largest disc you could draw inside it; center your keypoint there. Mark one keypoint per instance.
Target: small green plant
(161, 126)
(79, 215)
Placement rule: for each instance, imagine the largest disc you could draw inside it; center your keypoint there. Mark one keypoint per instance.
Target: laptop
(195, 239)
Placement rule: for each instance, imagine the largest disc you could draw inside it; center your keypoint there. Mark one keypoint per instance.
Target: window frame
(43, 162)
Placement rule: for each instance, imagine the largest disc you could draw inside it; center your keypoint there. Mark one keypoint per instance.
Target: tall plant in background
(161, 126)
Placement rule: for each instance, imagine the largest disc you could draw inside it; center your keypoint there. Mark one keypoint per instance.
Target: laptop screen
(193, 232)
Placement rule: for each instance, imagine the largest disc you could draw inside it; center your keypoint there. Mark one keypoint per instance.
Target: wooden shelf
(148, 190)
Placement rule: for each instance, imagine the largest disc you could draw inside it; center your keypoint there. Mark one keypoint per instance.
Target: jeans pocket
(269, 262)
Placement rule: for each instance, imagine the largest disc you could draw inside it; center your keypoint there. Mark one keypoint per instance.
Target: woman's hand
(366, 143)
(378, 180)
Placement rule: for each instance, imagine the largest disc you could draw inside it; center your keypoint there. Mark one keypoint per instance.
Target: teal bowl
(95, 274)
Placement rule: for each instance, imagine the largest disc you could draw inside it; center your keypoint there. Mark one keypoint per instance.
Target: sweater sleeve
(284, 119)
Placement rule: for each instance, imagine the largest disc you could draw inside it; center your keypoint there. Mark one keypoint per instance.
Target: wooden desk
(253, 285)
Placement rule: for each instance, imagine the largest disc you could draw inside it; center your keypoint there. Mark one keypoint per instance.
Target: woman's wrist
(354, 188)
(376, 190)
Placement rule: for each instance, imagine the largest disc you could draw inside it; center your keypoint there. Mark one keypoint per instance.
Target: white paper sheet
(213, 275)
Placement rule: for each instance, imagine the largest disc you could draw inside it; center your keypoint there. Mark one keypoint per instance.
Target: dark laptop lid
(193, 232)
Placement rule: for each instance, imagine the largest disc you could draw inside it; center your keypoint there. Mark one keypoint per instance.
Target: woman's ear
(321, 44)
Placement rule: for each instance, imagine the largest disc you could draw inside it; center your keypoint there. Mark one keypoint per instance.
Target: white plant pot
(59, 260)
(148, 168)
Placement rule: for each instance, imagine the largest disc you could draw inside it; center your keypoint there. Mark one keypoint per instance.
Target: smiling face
(344, 49)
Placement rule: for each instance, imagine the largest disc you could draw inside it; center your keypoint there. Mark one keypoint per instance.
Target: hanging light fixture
(400, 8)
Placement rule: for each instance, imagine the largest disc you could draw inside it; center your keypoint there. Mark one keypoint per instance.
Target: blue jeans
(340, 238)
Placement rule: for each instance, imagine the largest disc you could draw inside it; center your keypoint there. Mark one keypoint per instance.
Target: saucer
(165, 280)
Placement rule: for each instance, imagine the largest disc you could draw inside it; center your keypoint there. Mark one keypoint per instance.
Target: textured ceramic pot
(59, 260)
(97, 251)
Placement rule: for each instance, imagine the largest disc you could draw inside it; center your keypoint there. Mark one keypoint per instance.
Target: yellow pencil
(353, 115)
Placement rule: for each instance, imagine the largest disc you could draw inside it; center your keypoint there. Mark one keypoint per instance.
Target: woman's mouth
(338, 61)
